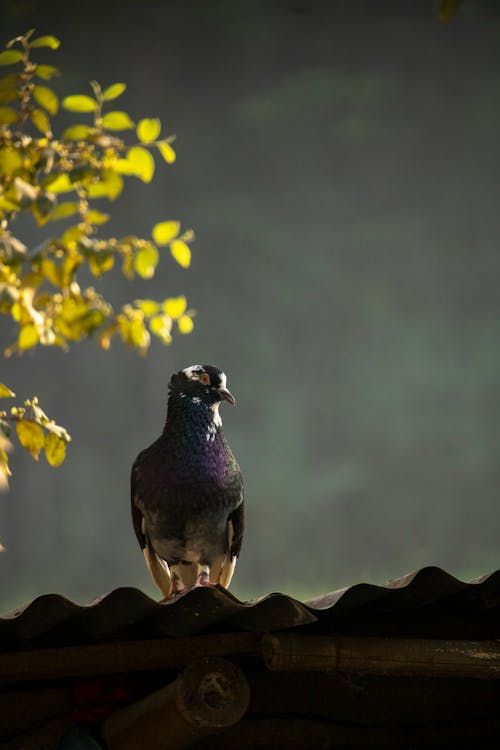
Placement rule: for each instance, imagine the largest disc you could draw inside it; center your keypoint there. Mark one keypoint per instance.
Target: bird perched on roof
(187, 489)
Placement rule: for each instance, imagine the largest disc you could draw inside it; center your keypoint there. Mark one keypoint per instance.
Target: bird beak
(225, 395)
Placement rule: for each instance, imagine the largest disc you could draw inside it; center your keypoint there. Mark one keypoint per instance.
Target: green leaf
(10, 56)
(55, 449)
(76, 133)
(30, 436)
(8, 115)
(146, 260)
(80, 103)
(46, 98)
(185, 324)
(5, 391)
(148, 130)
(175, 306)
(142, 163)
(117, 121)
(165, 231)
(181, 253)
(167, 152)
(46, 72)
(113, 91)
(46, 41)
(40, 121)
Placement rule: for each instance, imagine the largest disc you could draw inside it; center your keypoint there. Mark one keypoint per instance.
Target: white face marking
(217, 416)
(196, 400)
(192, 371)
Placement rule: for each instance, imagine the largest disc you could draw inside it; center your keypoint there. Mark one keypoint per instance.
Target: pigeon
(187, 489)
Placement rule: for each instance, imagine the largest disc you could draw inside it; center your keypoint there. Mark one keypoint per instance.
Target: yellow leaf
(28, 336)
(80, 103)
(46, 98)
(61, 184)
(5, 391)
(63, 210)
(55, 449)
(40, 121)
(46, 41)
(142, 162)
(161, 326)
(175, 306)
(185, 324)
(7, 115)
(76, 132)
(96, 217)
(181, 253)
(10, 57)
(117, 121)
(165, 231)
(110, 186)
(146, 260)
(10, 160)
(167, 152)
(52, 272)
(46, 72)
(30, 436)
(148, 130)
(147, 306)
(113, 91)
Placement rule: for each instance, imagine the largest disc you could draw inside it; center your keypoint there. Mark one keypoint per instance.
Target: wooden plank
(128, 656)
(288, 652)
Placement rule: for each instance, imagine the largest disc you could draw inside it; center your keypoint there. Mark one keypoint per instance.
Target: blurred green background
(339, 162)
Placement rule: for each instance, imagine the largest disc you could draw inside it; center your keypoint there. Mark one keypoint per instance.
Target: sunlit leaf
(138, 334)
(148, 130)
(117, 121)
(147, 306)
(79, 103)
(161, 326)
(10, 56)
(101, 262)
(165, 231)
(30, 436)
(76, 132)
(46, 41)
(113, 91)
(10, 160)
(52, 272)
(5, 391)
(167, 152)
(60, 184)
(64, 210)
(142, 162)
(46, 98)
(175, 306)
(185, 324)
(181, 253)
(110, 186)
(55, 449)
(46, 72)
(8, 115)
(40, 121)
(96, 217)
(72, 235)
(146, 260)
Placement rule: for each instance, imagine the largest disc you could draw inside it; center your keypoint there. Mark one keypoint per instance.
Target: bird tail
(224, 568)
(159, 570)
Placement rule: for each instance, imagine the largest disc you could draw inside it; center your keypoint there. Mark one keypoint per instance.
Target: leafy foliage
(55, 178)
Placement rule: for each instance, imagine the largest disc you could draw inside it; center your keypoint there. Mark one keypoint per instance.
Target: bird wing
(158, 568)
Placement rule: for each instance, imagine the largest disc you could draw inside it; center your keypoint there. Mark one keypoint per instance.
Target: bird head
(204, 382)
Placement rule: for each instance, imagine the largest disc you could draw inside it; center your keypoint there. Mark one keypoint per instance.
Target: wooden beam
(210, 695)
(127, 656)
(289, 652)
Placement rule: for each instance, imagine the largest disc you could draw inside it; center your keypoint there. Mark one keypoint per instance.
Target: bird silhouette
(187, 489)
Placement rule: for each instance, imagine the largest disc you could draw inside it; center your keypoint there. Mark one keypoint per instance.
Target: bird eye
(204, 378)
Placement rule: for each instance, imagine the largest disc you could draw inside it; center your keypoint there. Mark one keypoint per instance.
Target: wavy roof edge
(411, 604)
